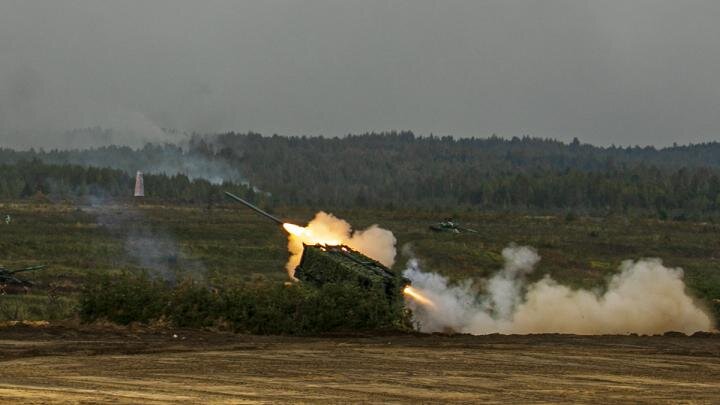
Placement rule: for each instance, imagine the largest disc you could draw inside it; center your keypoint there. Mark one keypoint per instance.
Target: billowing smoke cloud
(374, 242)
(645, 297)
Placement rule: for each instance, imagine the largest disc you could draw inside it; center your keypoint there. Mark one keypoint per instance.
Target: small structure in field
(139, 186)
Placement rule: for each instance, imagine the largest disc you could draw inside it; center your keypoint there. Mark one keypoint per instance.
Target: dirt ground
(91, 365)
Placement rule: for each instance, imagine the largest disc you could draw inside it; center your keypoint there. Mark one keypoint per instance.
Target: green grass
(230, 243)
(35, 307)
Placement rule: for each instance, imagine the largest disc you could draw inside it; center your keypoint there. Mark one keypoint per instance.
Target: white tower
(139, 186)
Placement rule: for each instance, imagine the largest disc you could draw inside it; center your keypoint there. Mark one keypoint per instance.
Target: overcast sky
(623, 72)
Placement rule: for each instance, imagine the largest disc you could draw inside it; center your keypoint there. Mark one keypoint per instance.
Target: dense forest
(394, 169)
(168, 159)
(34, 179)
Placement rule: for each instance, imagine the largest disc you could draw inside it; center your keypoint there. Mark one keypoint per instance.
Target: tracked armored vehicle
(450, 226)
(11, 283)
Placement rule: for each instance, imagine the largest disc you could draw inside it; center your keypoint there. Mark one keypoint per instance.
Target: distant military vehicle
(8, 278)
(450, 226)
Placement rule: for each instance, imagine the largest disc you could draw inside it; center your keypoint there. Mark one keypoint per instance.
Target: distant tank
(450, 226)
(322, 264)
(9, 282)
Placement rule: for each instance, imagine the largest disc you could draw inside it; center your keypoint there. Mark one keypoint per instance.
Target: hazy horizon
(610, 72)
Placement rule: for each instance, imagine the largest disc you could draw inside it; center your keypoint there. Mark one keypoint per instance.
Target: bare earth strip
(65, 365)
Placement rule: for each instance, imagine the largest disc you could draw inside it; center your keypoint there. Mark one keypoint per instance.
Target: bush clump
(257, 308)
(123, 299)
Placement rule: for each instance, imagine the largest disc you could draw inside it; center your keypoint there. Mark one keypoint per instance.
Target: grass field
(232, 243)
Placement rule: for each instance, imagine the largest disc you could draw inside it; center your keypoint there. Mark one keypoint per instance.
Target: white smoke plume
(645, 297)
(374, 242)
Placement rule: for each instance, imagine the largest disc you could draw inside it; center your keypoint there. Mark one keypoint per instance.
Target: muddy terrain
(95, 364)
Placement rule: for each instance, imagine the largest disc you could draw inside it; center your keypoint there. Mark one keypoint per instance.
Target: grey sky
(623, 72)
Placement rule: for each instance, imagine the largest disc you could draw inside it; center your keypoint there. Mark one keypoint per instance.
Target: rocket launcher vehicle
(324, 263)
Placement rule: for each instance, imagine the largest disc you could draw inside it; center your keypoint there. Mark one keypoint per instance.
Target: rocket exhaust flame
(308, 236)
(293, 229)
(418, 297)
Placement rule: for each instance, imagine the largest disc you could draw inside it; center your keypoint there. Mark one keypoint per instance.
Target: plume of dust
(645, 297)
(374, 242)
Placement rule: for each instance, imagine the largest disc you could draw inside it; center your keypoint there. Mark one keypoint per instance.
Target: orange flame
(293, 229)
(307, 236)
(418, 297)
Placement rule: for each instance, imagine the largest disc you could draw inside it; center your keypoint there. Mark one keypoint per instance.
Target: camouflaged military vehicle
(450, 226)
(10, 283)
(322, 264)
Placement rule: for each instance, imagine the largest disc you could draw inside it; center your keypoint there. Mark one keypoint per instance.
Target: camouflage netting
(322, 264)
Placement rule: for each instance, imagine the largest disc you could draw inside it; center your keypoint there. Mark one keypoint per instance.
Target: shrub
(258, 308)
(191, 305)
(123, 299)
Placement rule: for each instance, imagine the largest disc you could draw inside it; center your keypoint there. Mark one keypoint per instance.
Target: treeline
(169, 159)
(39, 180)
(399, 169)
(493, 153)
